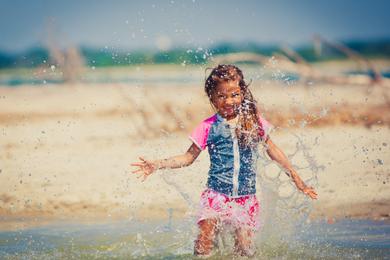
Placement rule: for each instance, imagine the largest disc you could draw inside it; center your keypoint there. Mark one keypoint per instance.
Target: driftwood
(376, 80)
(294, 63)
(351, 54)
(68, 60)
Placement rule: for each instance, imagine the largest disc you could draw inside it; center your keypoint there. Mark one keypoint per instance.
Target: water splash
(347, 239)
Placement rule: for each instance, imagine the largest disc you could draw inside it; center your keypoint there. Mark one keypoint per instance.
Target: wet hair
(249, 126)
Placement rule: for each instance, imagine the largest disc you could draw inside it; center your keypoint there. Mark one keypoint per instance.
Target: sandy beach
(66, 149)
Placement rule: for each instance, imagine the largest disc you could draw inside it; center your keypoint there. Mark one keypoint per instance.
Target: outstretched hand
(309, 191)
(145, 168)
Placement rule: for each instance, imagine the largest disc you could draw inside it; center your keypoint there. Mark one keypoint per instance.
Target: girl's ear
(212, 103)
(212, 99)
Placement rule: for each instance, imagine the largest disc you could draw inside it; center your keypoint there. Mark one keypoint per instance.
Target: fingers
(144, 169)
(310, 192)
(143, 176)
(138, 164)
(312, 195)
(142, 163)
(137, 171)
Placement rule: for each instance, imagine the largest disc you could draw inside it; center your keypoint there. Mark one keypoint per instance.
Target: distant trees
(35, 57)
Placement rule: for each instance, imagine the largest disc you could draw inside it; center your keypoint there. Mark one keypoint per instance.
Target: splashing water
(139, 240)
(283, 207)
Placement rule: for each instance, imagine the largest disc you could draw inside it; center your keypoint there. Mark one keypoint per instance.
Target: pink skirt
(239, 212)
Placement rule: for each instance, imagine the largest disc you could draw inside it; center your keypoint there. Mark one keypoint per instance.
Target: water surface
(346, 239)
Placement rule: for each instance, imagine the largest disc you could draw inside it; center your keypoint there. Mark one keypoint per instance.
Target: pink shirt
(201, 133)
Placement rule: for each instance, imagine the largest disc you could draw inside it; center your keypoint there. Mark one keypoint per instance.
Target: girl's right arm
(147, 167)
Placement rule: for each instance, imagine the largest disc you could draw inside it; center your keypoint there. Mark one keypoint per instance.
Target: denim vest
(232, 168)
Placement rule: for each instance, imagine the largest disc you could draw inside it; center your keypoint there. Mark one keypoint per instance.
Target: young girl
(232, 137)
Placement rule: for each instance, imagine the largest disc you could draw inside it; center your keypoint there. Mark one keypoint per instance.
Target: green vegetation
(372, 49)
(110, 57)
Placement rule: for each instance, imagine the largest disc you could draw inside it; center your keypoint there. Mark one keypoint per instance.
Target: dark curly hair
(250, 128)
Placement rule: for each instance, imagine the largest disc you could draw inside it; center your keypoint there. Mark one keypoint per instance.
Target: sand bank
(65, 150)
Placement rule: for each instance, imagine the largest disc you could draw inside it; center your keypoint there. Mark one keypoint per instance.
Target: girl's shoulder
(266, 127)
(210, 120)
(200, 134)
(263, 121)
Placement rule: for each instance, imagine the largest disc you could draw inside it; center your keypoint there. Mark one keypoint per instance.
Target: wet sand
(66, 150)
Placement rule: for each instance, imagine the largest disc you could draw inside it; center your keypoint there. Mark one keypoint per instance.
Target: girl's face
(227, 99)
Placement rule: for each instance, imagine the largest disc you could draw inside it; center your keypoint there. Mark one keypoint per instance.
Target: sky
(196, 23)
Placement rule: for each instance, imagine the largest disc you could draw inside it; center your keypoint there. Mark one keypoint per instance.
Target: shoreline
(376, 212)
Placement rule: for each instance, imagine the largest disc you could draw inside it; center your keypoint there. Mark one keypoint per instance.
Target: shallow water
(347, 239)
(193, 76)
(14, 79)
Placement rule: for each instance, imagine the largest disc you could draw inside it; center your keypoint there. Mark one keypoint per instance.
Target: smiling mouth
(229, 110)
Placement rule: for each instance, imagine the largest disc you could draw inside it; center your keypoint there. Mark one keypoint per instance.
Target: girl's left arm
(277, 155)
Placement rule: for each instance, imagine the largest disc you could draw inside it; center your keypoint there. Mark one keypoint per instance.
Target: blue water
(18, 81)
(287, 78)
(351, 233)
(15, 80)
(347, 239)
(385, 74)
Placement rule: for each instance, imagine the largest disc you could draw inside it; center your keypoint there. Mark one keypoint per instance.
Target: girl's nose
(229, 101)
